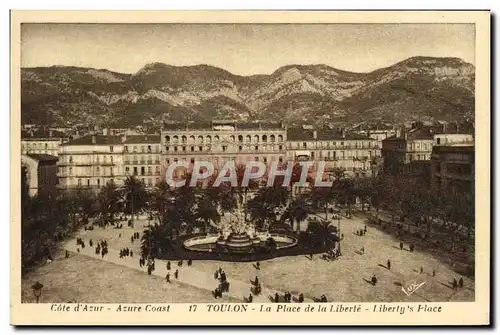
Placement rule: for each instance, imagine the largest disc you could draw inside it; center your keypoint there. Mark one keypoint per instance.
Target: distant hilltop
(423, 88)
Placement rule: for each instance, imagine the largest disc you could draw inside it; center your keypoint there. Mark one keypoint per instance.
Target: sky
(243, 49)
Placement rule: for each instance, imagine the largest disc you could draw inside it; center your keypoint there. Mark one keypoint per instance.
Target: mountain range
(417, 88)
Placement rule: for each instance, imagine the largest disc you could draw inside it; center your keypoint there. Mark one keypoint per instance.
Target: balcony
(134, 162)
(126, 162)
(150, 161)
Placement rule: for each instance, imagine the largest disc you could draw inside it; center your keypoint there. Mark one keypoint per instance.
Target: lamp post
(37, 290)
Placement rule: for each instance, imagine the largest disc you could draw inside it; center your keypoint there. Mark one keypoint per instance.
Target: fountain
(238, 236)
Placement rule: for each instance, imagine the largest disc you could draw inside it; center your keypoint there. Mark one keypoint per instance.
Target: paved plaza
(345, 279)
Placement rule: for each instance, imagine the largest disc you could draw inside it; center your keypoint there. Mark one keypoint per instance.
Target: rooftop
(300, 134)
(142, 139)
(211, 125)
(95, 140)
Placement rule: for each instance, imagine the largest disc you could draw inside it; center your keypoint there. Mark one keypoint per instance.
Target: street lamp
(37, 290)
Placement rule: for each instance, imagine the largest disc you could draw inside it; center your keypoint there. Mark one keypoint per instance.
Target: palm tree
(108, 200)
(159, 200)
(321, 231)
(135, 195)
(297, 211)
(206, 211)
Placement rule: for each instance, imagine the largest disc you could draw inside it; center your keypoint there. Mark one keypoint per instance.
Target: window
(240, 138)
(150, 182)
(71, 159)
(200, 148)
(150, 170)
(142, 180)
(111, 159)
(183, 148)
(135, 148)
(167, 148)
(240, 148)
(256, 147)
(304, 145)
(149, 148)
(175, 148)
(98, 170)
(192, 148)
(98, 183)
(143, 171)
(224, 148)
(264, 138)
(126, 148)
(79, 182)
(70, 171)
(88, 182)
(256, 159)
(127, 169)
(280, 159)
(265, 159)
(46, 146)
(135, 170)
(157, 180)
(192, 160)
(280, 147)
(110, 148)
(143, 148)
(438, 140)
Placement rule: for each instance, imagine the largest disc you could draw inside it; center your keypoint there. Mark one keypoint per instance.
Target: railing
(149, 161)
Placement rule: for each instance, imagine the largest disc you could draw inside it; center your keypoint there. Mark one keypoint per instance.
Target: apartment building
(142, 158)
(355, 153)
(91, 161)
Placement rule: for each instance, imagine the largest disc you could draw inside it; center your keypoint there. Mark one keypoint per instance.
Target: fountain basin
(237, 243)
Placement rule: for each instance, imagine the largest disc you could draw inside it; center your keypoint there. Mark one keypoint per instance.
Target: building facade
(409, 151)
(453, 168)
(91, 162)
(142, 158)
(221, 141)
(354, 153)
(45, 142)
(41, 172)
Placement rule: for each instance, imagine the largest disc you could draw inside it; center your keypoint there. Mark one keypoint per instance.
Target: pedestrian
(311, 256)
(276, 297)
(362, 250)
(455, 284)
(250, 297)
(461, 283)
(374, 280)
(256, 282)
(388, 264)
(168, 265)
(189, 262)
(66, 255)
(301, 297)
(400, 245)
(365, 229)
(434, 273)
(167, 277)
(132, 239)
(176, 274)
(91, 243)
(131, 253)
(421, 269)
(257, 266)
(78, 250)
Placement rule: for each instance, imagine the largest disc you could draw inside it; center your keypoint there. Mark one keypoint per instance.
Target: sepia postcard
(250, 168)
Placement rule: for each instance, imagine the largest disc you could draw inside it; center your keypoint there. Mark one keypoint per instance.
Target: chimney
(93, 139)
(315, 134)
